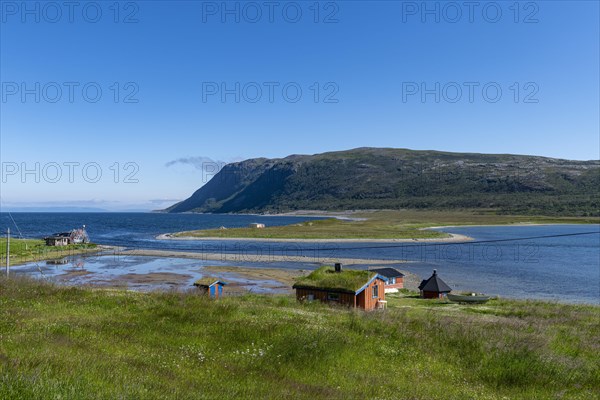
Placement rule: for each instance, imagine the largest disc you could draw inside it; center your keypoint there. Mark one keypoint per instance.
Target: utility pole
(7, 251)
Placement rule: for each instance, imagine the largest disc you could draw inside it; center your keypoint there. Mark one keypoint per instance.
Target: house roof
(62, 234)
(388, 272)
(349, 281)
(434, 284)
(208, 282)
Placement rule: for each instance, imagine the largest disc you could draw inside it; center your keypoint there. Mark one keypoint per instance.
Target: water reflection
(142, 273)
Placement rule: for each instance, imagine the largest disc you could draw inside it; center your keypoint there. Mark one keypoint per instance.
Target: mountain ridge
(377, 178)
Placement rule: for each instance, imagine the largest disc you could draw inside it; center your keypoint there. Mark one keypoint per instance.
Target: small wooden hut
(211, 286)
(58, 240)
(434, 287)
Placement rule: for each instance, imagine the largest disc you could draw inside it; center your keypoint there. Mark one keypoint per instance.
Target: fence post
(7, 251)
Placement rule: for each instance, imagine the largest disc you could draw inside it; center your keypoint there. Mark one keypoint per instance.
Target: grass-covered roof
(326, 278)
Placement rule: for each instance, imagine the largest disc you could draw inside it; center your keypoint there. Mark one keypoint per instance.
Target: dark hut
(434, 287)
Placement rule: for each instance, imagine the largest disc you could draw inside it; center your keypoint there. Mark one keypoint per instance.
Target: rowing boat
(468, 298)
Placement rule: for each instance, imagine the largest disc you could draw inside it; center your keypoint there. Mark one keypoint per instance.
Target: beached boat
(468, 298)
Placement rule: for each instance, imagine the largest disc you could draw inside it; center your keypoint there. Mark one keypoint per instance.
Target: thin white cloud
(200, 163)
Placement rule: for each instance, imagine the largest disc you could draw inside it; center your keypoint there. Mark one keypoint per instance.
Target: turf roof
(326, 278)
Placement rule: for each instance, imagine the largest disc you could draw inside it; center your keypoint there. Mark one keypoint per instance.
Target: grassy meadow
(382, 225)
(28, 250)
(82, 343)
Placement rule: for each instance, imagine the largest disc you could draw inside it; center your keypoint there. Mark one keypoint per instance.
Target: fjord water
(563, 268)
(559, 268)
(136, 230)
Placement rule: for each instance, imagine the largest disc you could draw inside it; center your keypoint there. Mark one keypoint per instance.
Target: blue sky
(381, 74)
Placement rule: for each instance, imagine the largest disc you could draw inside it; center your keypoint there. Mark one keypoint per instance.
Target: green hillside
(372, 178)
(80, 343)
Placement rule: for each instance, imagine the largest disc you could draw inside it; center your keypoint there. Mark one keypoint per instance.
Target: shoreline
(348, 216)
(247, 258)
(19, 261)
(454, 237)
(510, 224)
(341, 215)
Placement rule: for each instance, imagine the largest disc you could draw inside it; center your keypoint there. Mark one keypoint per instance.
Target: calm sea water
(129, 229)
(562, 268)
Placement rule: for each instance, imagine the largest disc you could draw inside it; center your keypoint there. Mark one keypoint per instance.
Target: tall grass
(78, 343)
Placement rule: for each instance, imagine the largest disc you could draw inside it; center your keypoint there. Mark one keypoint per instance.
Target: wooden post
(7, 251)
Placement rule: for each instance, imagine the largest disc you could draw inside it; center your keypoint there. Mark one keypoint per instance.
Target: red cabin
(354, 288)
(395, 279)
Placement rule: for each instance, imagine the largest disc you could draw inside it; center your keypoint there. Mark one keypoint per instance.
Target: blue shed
(212, 286)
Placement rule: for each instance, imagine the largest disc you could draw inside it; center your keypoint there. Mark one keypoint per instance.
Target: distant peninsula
(387, 178)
